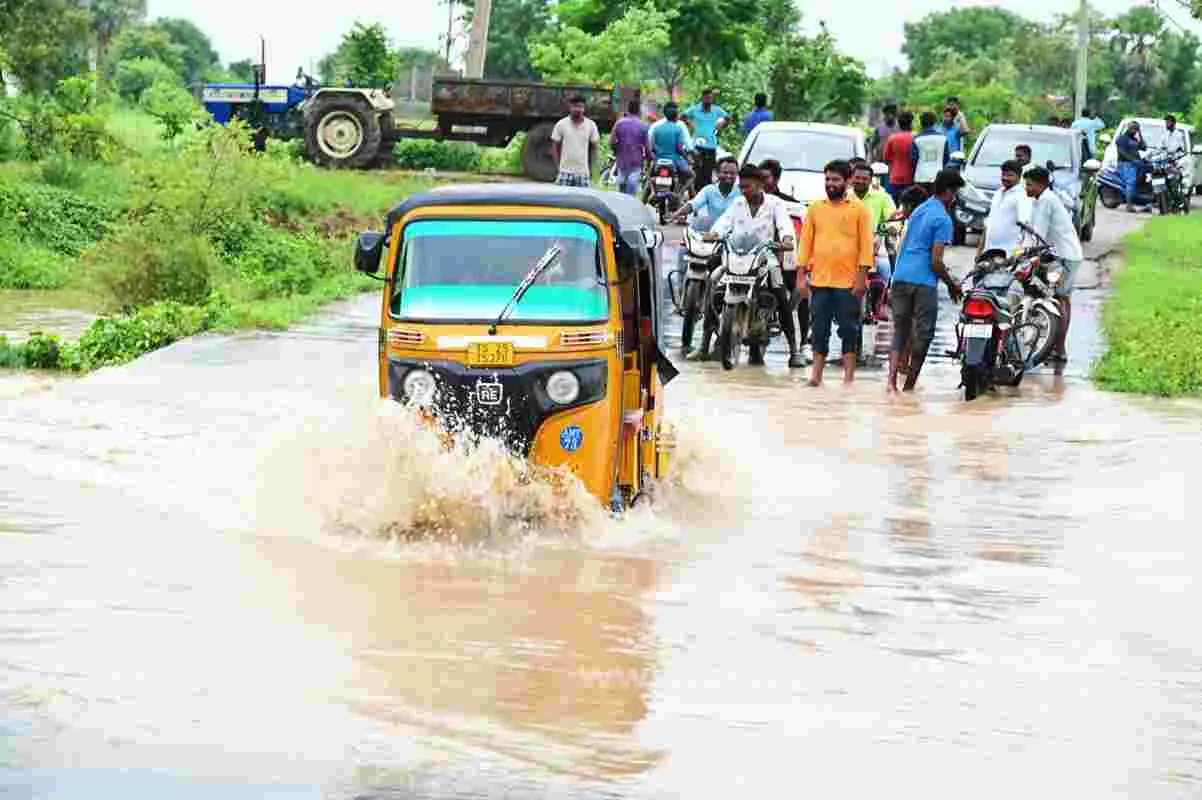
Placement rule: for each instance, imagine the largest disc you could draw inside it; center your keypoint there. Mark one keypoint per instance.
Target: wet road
(200, 595)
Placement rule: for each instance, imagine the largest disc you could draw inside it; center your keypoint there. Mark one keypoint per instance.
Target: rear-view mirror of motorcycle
(1091, 166)
(369, 247)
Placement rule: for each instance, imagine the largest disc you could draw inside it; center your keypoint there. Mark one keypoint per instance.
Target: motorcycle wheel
(692, 310)
(1111, 198)
(1162, 203)
(728, 342)
(1048, 327)
(973, 379)
(663, 211)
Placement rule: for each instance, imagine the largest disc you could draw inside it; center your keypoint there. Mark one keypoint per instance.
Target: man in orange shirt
(897, 155)
(836, 254)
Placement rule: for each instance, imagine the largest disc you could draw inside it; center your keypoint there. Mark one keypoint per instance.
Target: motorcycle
(1168, 182)
(1009, 320)
(742, 300)
(1160, 184)
(700, 258)
(664, 188)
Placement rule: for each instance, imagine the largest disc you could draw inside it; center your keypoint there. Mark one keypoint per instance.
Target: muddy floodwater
(203, 595)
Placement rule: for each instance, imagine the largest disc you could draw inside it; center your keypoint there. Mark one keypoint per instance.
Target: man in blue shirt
(668, 141)
(706, 120)
(713, 200)
(1091, 125)
(760, 114)
(913, 297)
(951, 129)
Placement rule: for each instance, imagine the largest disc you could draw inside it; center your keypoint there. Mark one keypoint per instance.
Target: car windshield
(467, 269)
(1153, 135)
(997, 147)
(807, 151)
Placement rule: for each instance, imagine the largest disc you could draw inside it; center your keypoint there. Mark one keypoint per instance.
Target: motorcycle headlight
(563, 387)
(419, 387)
(1054, 278)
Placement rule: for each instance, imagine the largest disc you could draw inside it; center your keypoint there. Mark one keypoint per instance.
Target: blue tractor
(341, 126)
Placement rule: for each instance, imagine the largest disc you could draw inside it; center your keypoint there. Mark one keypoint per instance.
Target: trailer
(347, 127)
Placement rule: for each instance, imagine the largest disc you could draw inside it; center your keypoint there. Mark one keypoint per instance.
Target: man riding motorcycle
(713, 200)
(669, 140)
(764, 217)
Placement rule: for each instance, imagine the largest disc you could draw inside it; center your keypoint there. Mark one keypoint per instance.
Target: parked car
(1153, 131)
(1060, 149)
(803, 149)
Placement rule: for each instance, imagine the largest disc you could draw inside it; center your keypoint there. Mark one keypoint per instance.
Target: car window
(997, 147)
(807, 151)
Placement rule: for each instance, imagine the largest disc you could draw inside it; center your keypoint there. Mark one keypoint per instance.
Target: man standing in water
(836, 254)
(1051, 220)
(574, 141)
(913, 296)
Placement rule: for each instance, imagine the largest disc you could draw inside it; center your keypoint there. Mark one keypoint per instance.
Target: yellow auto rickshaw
(530, 313)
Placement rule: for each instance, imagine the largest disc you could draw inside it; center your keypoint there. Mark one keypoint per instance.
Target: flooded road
(201, 594)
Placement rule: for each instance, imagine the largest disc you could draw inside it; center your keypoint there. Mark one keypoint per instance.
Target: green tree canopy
(43, 41)
(110, 17)
(513, 24)
(197, 56)
(617, 55)
(969, 31)
(148, 42)
(365, 57)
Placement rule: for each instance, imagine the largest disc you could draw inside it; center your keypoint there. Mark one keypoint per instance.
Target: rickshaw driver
(760, 217)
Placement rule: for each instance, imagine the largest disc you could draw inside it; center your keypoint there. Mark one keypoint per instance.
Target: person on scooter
(1129, 145)
(668, 141)
(914, 293)
(1010, 206)
(763, 216)
(1054, 224)
(713, 200)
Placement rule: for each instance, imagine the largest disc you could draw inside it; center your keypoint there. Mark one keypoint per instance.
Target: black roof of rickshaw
(623, 212)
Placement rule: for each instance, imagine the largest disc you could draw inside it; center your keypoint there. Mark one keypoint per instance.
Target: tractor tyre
(342, 131)
(537, 162)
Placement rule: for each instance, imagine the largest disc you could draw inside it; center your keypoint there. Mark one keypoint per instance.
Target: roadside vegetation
(1153, 321)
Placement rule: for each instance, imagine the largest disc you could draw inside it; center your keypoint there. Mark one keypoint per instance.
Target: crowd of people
(822, 279)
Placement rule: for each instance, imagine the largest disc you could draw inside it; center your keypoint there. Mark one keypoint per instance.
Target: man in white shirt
(574, 141)
(765, 218)
(1051, 220)
(1174, 137)
(1010, 206)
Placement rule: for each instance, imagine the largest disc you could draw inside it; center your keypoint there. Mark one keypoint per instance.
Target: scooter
(1110, 182)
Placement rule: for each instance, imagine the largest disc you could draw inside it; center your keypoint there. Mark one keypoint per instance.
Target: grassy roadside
(1153, 320)
(171, 238)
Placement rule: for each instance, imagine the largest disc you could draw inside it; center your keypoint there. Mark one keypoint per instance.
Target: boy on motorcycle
(763, 216)
(668, 140)
(713, 200)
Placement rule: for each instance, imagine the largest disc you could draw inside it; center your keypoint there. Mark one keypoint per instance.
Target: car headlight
(419, 387)
(563, 387)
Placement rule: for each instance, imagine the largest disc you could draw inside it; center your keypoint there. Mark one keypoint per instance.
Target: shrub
(275, 263)
(40, 351)
(56, 219)
(152, 262)
(135, 76)
(68, 121)
(113, 341)
(427, 154)
(23, 266)
(62, 171)
(506, 160)
(171, 105)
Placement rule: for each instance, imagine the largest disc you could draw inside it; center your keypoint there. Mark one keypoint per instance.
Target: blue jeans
(1129, 175)
(839, 306)
(628, 182)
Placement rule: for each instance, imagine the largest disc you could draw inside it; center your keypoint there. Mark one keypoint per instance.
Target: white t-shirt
(1006, 210)
(1051, 220)
(771, 221)
(574, 141)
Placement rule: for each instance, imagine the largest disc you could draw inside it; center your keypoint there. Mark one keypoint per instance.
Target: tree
(512, 25)
(616, 55)
(197, 56)
(110, 17)
(364, 57)
(146, 42)
(44, 41)
(134, 76)
(242, 71)
(969, 31)
(809, 79)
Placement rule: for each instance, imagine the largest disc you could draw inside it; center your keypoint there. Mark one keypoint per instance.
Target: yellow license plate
(490, 354)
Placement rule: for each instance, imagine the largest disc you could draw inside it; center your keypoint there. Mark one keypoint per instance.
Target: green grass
(1153, 320)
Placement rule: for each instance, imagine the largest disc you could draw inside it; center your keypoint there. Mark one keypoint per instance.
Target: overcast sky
(871, 30)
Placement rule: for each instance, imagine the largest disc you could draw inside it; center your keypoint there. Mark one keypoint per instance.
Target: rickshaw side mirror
(369, 247)
(652, 239)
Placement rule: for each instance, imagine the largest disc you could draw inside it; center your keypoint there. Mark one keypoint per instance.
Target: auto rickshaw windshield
(468, 269)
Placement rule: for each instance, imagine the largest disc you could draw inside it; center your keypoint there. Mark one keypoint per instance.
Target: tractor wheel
(537, 162)
(341, 131)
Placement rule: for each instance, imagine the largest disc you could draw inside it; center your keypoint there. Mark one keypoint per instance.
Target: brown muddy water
(202, 593)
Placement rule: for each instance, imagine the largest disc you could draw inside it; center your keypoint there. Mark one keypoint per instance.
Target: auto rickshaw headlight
(419, 387)
(563, 387)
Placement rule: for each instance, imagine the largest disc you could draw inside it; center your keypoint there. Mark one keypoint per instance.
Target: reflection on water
(210, 567)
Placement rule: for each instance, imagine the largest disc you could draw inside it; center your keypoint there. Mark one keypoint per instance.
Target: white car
(803, 149)
(1153, 131)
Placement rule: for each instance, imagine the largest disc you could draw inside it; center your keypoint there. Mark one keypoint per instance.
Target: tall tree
(146, 42)
(44, 41)
(968, 31)
(364, 57)
(512, 25)
(197, 56)
(110, 17)
(616, 55)
(811, 80)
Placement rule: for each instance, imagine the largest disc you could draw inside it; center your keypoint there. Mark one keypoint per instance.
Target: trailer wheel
(341, 132)
(537, 162)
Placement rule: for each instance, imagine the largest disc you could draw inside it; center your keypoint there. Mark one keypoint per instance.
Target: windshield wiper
(549, 258)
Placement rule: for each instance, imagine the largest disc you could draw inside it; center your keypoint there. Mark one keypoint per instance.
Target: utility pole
(1082, 58)
(478, 40)
(450, 30)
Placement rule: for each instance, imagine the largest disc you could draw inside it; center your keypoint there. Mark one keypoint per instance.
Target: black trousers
(803, 311)
(706, 159)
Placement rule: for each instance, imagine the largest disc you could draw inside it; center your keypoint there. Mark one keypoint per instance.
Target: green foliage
(364, 57)
(62, 171)
(616, 55)
(970, 32)
(428, 154)
(809, 79)
(506, 159)
(985, 87)
(173, 106)
(44, 41)
(39, 351)
(60, 221)
(133, 77)
(274, 263)
(110, 17)
(1153, 321)
(25, 266)
(197, 56)
(68, 121)
(112, 341)
(512, 24)
(241, 71)
(146, 42)
(154, 261)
